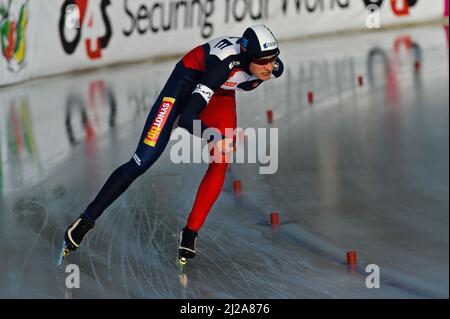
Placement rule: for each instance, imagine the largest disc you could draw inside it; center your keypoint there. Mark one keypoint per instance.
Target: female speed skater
(202, 87)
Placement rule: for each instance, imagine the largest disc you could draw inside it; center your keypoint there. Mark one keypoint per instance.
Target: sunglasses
(264, 61)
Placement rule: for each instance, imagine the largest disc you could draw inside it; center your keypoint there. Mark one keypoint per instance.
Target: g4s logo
(88, 18)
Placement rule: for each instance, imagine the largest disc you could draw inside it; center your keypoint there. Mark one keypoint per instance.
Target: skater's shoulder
(224, 47)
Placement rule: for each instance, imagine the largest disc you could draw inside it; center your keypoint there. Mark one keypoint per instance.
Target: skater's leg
(144, 157)
(153, 140)
(123, 176)
(221, 114)
(116, 184)
(207, 194)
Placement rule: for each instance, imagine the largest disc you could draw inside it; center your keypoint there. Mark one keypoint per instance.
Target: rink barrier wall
(41, 38)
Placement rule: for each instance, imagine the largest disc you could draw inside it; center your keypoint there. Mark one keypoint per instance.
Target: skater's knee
(133, 168)
(142, 163)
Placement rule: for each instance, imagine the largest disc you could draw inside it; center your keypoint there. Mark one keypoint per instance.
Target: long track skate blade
(181, 263)
(64, 252)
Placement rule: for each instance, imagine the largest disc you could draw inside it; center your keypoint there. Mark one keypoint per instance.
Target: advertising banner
(45, 37)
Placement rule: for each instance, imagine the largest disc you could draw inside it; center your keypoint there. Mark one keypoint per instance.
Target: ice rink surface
(364, 168)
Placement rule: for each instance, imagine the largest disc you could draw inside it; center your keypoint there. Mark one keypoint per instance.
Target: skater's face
(262, 68)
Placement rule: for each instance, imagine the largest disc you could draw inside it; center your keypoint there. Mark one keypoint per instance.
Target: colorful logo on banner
(398, 7)
(159, 122)
(13, 24)
(90, 17)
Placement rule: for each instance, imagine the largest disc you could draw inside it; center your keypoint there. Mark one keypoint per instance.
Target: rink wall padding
(46, 37)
